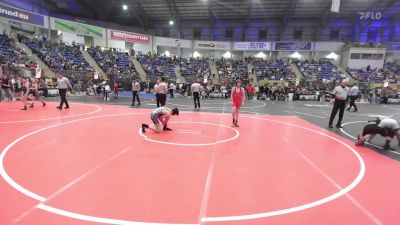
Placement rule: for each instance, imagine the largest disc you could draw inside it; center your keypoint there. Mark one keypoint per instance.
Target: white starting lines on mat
(42, 200)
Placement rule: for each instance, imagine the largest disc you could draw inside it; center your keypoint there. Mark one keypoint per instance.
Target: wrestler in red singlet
(237, 98)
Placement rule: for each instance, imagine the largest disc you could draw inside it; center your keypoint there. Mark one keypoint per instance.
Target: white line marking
(305, 114)
(204, 219)
(98, 219)
(193, 131)
(335, 184)
(368, 143)
(72, 183)
(327, 199)
(194, 145)
(243, 107)
(210, 175)
(185, 132)
(14, 184)
(53, 118)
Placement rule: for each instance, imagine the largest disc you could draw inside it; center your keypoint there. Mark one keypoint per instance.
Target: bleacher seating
(319, 70)
(279, 70)
(58, 56)
(389, 73)
(113, 62)
(194, 68)
(233, 69)
(11, 55)
(156, 66)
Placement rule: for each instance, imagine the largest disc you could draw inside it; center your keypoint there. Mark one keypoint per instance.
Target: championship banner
(22, 16)
(252, 46)
(293, 46)
(129, 37)
(216, 45)
(78, 28)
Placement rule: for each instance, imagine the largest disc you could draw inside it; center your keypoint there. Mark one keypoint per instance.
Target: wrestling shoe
(167, 128)
(387, 146)
(144, 126)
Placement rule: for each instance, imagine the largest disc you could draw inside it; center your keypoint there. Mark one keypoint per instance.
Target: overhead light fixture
(261, 55)
(124, 7)
(295, 55)
(196, 54)
(332, 55)
(227, 55)
(171, 22)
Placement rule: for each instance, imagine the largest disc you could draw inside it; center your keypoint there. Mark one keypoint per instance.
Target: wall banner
(19, 15)
(212, 45)
(293, 46)
(129, 37)
(252, 46)
(78, 28)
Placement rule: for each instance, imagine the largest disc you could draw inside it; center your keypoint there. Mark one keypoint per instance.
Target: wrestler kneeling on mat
(162, 115)
(370, 130)
(391, 125)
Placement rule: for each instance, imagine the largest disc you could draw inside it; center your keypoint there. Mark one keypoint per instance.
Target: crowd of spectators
(278, 70)
(233, 69)
(11, 56)
(57, 56)
(112, 61)
(390, 73)
(193, 68)
(157, 66)
(321, 69)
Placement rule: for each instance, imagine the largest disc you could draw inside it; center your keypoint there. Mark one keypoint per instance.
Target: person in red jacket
(250, 92)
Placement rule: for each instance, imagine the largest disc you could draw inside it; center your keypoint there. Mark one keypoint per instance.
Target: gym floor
(91, 164)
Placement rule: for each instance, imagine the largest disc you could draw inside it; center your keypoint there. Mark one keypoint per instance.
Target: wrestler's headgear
(175, 111)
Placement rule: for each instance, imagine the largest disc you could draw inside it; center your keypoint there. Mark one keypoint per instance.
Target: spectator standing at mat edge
(171, 90)
(340, 96)
(63, 85)
(157, 93)
(163, 90)
(135, 92)
(353, 95)
(195, 88)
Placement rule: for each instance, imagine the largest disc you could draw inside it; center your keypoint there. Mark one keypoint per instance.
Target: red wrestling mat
(98, 168)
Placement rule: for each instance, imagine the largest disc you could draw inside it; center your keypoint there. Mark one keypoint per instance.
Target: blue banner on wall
(19, 15)
(393, 47)
(293, 46)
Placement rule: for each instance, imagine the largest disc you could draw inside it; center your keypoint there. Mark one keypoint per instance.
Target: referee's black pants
(338, 105)
(135, 95)
(158, 99)
(352, 103)
(163, 99)
(196, 98)
(63, 95)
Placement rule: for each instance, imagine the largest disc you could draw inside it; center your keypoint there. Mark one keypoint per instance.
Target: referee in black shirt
(340, 95)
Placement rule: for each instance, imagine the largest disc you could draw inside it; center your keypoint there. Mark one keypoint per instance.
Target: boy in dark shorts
(160, 115)
(370, 130)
